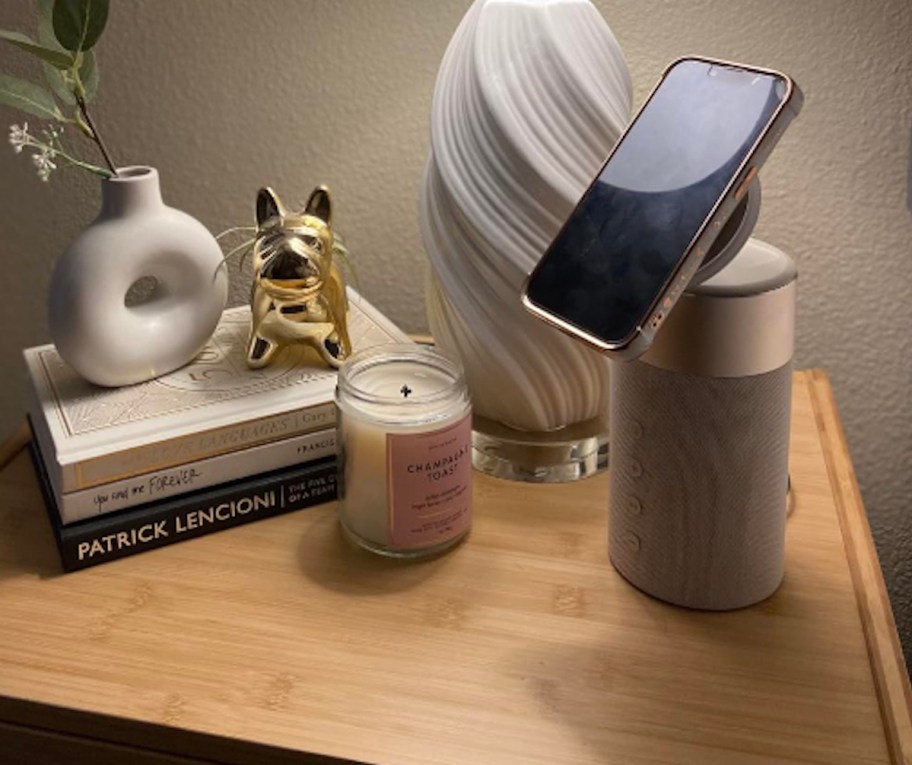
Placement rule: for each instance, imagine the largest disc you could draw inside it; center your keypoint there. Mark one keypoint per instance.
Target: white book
(170, 482)
(213, 406)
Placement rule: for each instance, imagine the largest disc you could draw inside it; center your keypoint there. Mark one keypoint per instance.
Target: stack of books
(209, 446)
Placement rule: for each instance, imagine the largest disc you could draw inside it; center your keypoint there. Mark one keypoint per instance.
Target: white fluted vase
(530, 98)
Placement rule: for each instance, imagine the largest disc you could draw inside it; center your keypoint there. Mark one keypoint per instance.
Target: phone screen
(622, 243)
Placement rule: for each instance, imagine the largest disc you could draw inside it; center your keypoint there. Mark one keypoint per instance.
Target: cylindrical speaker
(699, 440)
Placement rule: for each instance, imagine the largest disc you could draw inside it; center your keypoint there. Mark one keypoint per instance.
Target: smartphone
(644, 225)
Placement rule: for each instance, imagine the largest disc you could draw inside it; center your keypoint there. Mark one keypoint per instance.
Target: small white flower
(18, 137)
(52, 133)
(44, 162)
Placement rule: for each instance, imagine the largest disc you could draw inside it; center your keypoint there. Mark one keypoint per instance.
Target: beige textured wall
(224, 95)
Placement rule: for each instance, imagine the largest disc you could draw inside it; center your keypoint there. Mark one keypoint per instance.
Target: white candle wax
(405, 449)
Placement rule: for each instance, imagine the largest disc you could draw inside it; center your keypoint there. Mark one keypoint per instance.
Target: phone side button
(742, 189)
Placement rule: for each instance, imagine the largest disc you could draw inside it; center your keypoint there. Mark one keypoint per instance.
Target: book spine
(129, 463)
(122, 534)
(42, 439)
(182, 479)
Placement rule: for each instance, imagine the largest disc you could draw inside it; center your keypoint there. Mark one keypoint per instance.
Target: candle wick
(405, 390)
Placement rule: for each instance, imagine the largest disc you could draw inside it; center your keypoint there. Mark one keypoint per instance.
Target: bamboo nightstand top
(521, 646)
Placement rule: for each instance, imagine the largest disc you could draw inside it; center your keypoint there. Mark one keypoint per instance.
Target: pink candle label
(429, 485)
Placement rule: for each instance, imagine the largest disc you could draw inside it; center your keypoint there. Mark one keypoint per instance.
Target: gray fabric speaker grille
(699, 473)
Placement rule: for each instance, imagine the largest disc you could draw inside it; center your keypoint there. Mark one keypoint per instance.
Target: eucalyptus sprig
(67, 33)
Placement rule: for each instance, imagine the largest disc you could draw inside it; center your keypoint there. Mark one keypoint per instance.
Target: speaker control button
(634, 505)
(632, 540)
(636, 429)
(636, 469)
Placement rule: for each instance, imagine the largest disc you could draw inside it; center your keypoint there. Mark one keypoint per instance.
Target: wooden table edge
(885, 654)
(100, 734)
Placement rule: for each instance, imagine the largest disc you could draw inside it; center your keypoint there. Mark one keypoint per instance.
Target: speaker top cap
(739, 323)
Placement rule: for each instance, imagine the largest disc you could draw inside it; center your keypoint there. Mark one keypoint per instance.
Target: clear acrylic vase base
(567, 454)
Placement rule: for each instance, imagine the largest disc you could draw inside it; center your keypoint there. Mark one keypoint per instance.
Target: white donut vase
(136, 235)
(530, 98)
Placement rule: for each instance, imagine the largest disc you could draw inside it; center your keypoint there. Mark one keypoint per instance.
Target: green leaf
(57, 81)
(79, 23)
(46, 25)
(55, 78)
(28, 97)
(53, 57)
(89, 75)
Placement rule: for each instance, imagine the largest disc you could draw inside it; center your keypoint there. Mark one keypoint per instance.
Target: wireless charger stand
(733, 236)
(582, 449)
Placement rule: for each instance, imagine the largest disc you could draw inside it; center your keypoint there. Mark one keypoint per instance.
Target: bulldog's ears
(268, 206)
(320, 205)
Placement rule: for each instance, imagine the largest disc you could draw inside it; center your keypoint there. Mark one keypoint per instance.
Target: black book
(156, 524)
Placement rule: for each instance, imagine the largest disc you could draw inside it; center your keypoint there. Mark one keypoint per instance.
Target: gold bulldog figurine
(298, 291)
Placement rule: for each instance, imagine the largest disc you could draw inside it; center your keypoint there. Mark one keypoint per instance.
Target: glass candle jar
(405, 443)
